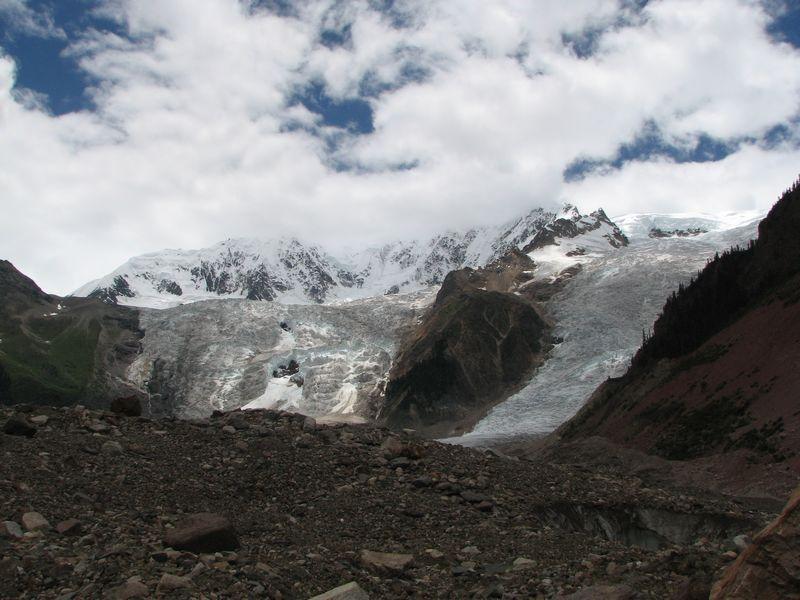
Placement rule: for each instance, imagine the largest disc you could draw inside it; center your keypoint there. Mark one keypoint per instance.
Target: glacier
(601, 313)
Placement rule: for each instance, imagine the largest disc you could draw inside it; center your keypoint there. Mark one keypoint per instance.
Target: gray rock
(133, 588)
(33, 521)
(348, 591)
(386, 561)
(111, 447)
(170, 583)
(10, 529)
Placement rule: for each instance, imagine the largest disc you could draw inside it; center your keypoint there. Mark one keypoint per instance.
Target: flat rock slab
(348, 591)
(386, 561)
(203, 533)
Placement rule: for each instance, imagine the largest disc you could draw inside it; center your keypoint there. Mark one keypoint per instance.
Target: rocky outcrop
(658, 233)
(769, 567)
(473, 348)
(570, 224)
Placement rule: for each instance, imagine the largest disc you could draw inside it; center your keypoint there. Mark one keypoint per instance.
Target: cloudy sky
(127, 126)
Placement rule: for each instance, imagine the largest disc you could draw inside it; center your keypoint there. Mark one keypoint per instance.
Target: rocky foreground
(100, 505)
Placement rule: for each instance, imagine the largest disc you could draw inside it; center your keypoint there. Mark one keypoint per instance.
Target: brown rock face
(768, 569)
(203, 532)
(477, 344)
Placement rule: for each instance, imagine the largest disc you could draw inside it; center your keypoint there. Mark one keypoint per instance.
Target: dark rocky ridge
(311, 506)
(476, 345)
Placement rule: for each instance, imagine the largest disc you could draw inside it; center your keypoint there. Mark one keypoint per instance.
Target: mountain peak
(292, 271)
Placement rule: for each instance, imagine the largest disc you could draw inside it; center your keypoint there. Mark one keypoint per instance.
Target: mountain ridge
(290, 271)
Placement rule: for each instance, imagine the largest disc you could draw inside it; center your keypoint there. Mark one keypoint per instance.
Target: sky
(128, 126)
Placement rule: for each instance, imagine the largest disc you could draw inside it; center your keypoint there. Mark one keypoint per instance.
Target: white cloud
(189, 143)
(21, 18)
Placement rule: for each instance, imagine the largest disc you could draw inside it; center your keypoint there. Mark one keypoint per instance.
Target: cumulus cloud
(196, 133)
(20, 18)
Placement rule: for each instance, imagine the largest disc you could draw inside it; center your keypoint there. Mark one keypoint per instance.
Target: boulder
(202, 533)
(130, 406)
(111, 447)
(769, 567)
(386, 561)
(132, 588)
(171, 583)
(33, 521)
(348, 591)
(18, 425)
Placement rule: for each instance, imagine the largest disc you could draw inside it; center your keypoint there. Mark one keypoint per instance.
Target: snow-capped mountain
(292, 272)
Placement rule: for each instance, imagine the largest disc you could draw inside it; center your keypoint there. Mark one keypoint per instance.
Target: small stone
(521, 563)
(33, 521)
(485, 506)
(133, 588)
(612, 569)
(434, 554)
(69, 527)
(470, 550)
(112, 448)
(229, 429)
(730, 555)
(742, 542)
(10, 529)
(309, 424)
(39, 420)
(170, 583)
(18, 426)
(473, 497)
(348, 591)
(202, 532)
(386, 561)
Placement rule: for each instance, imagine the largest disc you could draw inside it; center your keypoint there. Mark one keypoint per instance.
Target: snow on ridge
(291, 271)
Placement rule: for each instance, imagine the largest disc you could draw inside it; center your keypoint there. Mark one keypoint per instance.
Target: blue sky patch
(352, 114)
(648, 145)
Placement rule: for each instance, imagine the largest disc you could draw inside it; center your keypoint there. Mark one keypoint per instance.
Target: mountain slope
(61, 351)
(478, 342)
(289, 271)
(720, 373)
